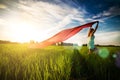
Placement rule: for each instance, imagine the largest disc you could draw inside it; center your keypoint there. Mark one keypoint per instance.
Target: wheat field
(19, 62)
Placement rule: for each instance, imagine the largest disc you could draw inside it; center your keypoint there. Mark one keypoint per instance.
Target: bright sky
(25, 20)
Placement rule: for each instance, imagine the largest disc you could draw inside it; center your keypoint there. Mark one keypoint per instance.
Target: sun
(22, 31)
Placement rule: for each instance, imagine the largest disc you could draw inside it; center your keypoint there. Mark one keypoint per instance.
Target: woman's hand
(97, 21)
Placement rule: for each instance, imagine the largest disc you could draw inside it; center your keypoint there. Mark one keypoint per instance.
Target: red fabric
(62, 36)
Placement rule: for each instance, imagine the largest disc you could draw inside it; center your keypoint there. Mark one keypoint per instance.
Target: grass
(18, 62)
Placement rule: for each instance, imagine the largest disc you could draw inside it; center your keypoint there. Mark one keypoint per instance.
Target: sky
(25, 20)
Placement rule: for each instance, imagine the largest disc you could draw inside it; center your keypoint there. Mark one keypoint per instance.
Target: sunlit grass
(18, 62)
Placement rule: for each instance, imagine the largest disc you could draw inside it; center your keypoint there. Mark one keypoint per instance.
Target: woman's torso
(91, 42)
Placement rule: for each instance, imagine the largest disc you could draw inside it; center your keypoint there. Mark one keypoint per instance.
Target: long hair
(90, 31)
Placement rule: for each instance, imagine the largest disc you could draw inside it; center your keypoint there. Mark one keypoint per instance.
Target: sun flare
(22, 32)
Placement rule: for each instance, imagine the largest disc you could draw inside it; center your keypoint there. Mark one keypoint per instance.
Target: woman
(91, 38)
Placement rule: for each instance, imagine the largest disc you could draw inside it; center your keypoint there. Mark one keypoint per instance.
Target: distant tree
(84, 44)
(2, 41)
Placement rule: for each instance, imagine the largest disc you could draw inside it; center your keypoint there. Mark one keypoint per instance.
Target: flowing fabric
(61, 36)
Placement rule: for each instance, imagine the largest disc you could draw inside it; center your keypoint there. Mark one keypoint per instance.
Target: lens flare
(103, 53)
(114, 55)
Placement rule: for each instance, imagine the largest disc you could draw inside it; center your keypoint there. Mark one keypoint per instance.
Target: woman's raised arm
(96, 27)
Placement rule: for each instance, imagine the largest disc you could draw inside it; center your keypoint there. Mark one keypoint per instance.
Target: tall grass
(18, 62)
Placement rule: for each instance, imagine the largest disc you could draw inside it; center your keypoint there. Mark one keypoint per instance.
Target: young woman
(91, 38)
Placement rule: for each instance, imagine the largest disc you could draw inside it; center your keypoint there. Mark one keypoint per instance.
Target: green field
(18, 62)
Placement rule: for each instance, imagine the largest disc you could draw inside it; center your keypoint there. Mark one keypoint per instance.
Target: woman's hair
(91, 30)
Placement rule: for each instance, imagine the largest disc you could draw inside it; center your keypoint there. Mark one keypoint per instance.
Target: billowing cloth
(62, 36)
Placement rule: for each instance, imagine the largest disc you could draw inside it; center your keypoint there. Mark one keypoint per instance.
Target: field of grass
(18, 62)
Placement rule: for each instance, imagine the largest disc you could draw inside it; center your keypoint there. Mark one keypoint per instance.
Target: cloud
(44, 17)
(2, 6)
(112, 11)
(108, 38)
(2, 22)
(57, 14)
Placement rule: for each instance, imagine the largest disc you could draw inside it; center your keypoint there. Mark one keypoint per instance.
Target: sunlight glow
(38, 20)
(22, 30)
(103, 53)
(32, 20)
